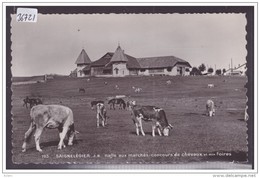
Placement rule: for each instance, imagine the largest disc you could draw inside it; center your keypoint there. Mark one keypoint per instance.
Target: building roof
(83, 58)
(161, 62)
(105, 61)
(119, 56)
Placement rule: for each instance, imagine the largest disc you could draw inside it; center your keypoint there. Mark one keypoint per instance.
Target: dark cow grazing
(50, 116)
(153, 114)
(94, 103)
(82, 90)
(31, 101)
(101, 115)
(210, 108)
(117, 101)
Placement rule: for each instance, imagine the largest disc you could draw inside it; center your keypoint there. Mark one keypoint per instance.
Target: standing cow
(101, 115)
(151, 114)
(210, 108)
(50, 116)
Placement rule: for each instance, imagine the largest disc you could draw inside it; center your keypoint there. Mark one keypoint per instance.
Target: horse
(82, 90)
(117, 101)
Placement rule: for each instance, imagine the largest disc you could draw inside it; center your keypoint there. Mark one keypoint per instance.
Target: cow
(153, 114)
(50, 116)
(210, 85)
(138, 90)
(117, 101)
(101, 115)
(168, 82)
(129, 104)
(82, 90)
(94, 103)
(210, 108)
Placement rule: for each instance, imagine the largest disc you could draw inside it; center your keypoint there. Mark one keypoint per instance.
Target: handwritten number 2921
(25, 17)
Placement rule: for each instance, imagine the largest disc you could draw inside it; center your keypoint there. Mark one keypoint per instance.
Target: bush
(195, 71)
(210, 70)
(218, 72)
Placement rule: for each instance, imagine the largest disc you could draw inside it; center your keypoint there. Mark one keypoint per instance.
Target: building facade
(83, 61)
(119, 64)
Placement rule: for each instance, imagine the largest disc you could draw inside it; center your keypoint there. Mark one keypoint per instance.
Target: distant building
(119, 64)
(240, 70)
(82, 62)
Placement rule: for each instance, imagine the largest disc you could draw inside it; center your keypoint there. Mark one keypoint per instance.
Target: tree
(224, 71)
(202, 67)
(210, 70)
(195, 71)
(218, 72)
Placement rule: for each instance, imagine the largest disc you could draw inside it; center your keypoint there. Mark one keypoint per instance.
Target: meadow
(195, 137)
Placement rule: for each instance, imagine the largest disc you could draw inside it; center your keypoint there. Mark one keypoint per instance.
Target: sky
(53, 43)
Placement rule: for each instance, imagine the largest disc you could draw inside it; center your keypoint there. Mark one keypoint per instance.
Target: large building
(119, 64)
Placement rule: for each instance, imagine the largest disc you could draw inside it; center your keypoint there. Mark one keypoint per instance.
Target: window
(116, 69)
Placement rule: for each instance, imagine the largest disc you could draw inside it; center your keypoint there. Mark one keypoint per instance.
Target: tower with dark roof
(82, 62)
(118, 63)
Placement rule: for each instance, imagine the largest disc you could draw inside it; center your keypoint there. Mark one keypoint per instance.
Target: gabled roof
(161, 62)
(105, 61)
(119, 56)
(83, 58)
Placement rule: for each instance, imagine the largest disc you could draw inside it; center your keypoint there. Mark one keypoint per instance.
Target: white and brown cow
(101, 114)
(210, 108)
(153, 114)
(50, 116)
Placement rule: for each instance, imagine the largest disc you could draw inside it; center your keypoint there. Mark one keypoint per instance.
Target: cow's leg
(102, 120)
(27, 136)
(37, 135)
(158, 128)
(139, 119)
(97, 120)
(137, 128)
(153, 130)
(71, 134)
(159, 131)
(62, 136)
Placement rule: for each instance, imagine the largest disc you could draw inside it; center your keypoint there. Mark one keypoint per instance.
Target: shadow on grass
(53, 143)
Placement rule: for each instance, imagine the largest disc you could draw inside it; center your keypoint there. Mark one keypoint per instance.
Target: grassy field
(195, 137)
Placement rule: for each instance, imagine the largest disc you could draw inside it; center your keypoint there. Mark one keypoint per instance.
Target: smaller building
(83, 61)
(236, 71)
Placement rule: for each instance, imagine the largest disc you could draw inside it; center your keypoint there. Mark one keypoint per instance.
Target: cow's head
(167, 129)
(71, 134)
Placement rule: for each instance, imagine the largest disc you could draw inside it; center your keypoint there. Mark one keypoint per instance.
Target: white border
(126, 169)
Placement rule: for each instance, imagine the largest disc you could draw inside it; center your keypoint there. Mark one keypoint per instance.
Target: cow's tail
(29, 133)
